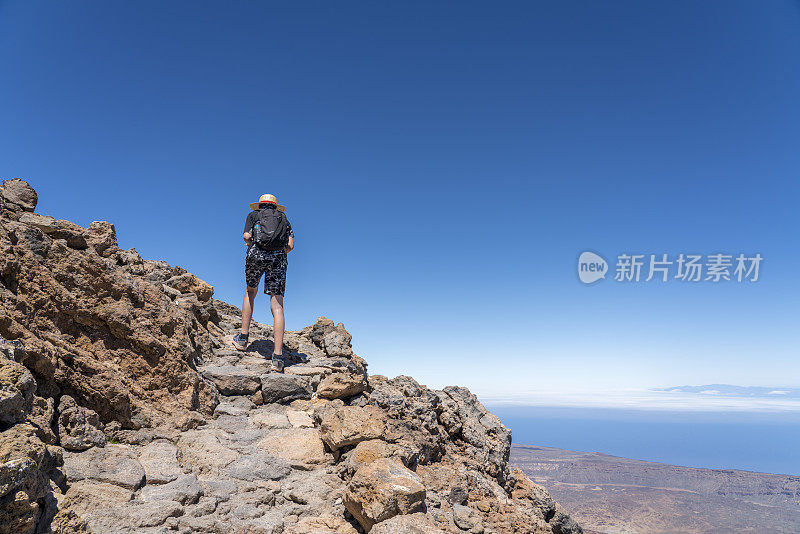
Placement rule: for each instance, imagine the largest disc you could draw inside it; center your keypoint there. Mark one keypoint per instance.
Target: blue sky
(443, 164)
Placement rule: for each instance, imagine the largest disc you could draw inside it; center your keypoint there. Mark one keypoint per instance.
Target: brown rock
(322, 524)
(42, 416)
(341, 385)
(16, 391)
(383, 489)
(18, 195)
(103, 330)
(368, 451)
(189, 283)
(301, 447)
(347, 425)
(25, 466)
(408, 524)
(102, 236)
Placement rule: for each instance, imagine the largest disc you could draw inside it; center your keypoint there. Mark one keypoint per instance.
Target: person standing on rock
(269, 239)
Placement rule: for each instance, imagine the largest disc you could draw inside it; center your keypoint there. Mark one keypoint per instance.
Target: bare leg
(276, 305)
(247, 308)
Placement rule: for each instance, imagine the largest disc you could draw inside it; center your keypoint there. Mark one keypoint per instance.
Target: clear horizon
(443, 169)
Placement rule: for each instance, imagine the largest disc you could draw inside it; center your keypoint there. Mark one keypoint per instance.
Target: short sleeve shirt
(252, 218)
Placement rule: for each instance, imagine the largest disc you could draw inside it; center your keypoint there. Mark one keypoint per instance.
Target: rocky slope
(123, 408)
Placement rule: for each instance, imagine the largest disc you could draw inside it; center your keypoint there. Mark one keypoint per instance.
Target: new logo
(591, 267)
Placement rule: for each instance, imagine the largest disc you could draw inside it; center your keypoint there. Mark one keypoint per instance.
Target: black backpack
(272, 230)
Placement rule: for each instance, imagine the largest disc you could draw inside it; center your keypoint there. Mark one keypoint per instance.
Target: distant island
(728, 390)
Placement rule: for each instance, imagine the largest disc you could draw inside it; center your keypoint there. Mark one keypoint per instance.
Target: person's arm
(290, 245)
(248, 229)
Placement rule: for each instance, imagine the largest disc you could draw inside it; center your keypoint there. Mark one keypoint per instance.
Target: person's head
(267, 201)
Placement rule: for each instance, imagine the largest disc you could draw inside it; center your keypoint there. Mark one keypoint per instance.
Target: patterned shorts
(272, 264)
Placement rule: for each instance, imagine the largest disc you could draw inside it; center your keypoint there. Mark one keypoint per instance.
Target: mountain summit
(124, 408)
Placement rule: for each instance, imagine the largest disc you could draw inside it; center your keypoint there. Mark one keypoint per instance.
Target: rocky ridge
(124, 408)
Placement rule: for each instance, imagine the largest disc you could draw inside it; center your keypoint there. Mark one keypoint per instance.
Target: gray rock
(269, 418)
(205, 452)
(57, 229)
(234, 406)
(462, 517)
(334, 340)
(160, 462)
(114, 464)
(279, 387)
(97, 504)
(458, 495)
(269, 523)
(79, 428)
(42, 416)
(152, 514)
(219, 488)
(232, 380)
(258, 466)
(465, 418)
(185, 490)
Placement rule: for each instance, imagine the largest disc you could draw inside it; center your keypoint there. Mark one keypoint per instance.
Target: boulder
(348, 425)
(18, 195)
(189, 283)
(302, 448)
(17, 388)
(270, 419)
(113, 464)
(90, 496)
(334, 340)
(279, 387)
(383, 489)
(341, 385)
(42, 416)
(102, 237)
(78, 428)
(368, 451)
(464, 518)
(467, 420)
(100, 507)
(299, 419)
(57, 229)
(231, 379)
(258, 465)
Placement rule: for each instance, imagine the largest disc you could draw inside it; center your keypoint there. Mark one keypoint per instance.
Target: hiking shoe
(277, 364)
(240, 341)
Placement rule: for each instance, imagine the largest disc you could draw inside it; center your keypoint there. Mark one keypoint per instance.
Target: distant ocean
(751, 441)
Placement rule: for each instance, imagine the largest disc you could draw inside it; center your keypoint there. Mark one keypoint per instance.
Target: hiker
(269, 238)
